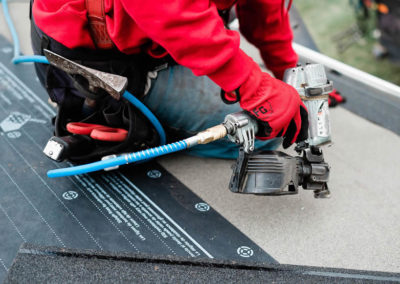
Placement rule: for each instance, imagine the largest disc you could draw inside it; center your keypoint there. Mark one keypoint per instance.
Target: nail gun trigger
(248, 140)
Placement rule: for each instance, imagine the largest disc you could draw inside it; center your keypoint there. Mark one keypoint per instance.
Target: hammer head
(113, 84)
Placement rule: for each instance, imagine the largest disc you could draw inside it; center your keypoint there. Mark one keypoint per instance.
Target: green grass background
(325, 18)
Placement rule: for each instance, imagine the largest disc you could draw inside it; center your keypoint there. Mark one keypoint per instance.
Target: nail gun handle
(241, 130)
(311, 83)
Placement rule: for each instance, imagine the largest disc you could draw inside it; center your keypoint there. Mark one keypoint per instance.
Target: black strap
(30, 9)
(230, 102)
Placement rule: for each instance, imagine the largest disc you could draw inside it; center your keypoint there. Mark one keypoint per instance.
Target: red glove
(276, 106)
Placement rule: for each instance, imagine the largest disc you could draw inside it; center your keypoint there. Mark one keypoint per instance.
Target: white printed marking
(41, 121)
(14, 121)
(12, 88)
(105, 216)
(202, 207)
(7, 49)
(83, 182)
(154, 219)
(244, 251)
(30, 93)
(42, 110)
(113, 208)
(14, 134)
(5, 99)
(118, 187)
(12, 222)
(154, 174)
(55, 195)
(34, 142)
(167, 217)
(4, 265)
(33, 206)
(70, 195)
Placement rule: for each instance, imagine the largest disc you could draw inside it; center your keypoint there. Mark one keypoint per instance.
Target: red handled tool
(335, 98)
(98, 131)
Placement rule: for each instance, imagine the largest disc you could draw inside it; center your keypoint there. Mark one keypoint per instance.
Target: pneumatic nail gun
(277, 173)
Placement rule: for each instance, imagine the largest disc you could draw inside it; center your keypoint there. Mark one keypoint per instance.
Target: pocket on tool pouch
(110, 113)
(59, 85)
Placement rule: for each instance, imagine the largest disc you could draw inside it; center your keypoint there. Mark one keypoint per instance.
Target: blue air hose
(31, 58)
(109, 163)
(42, 59)
(12, 29)
(18, 58)
(121, 160)
(211, 134)
(156, 123)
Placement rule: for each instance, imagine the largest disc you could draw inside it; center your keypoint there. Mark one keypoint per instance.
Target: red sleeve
(194, 35)
(262, 24)
(64, 21)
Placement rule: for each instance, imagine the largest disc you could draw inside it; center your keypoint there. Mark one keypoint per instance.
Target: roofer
(178, 55)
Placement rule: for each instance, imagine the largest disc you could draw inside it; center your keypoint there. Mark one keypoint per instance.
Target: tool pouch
(76, 103)
(111, 113)
(72, 100)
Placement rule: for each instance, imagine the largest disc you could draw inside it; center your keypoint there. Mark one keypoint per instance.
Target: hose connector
(241, 130)
(211, 134)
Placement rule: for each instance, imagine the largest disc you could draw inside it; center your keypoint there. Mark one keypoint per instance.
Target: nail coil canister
(311, 83)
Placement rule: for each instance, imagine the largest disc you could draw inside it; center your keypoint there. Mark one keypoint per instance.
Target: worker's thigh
(189, 104)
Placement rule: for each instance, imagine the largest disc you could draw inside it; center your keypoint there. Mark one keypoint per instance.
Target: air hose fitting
(209, 135)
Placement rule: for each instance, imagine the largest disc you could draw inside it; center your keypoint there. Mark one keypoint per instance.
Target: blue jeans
(189, 104)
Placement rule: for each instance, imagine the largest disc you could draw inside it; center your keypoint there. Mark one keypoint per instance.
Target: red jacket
(191, 31)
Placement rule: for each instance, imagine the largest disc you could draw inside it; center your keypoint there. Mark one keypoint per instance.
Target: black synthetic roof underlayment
(140, 209)
(55, 265)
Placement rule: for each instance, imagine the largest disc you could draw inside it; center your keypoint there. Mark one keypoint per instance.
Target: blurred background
(362, 33)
